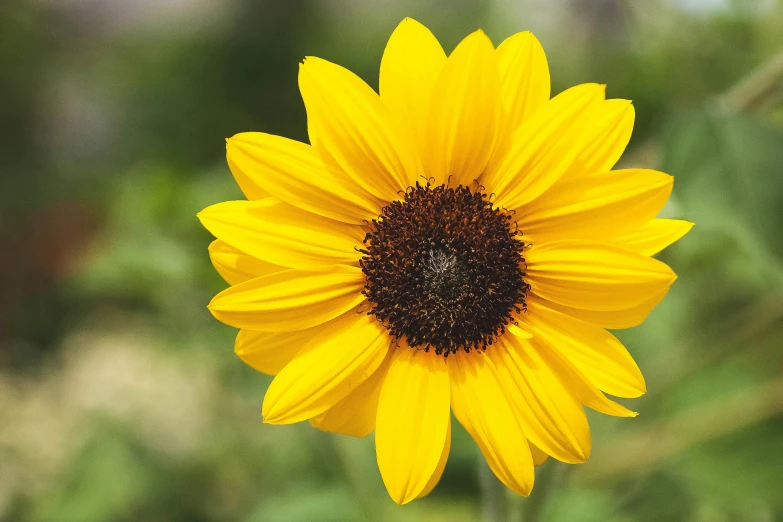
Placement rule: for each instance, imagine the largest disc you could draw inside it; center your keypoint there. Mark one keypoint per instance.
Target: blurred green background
(120, 396)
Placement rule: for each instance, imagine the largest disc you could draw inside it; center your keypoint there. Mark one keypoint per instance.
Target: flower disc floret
(444, 268)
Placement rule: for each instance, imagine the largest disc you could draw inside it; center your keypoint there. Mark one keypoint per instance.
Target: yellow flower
(458, 243)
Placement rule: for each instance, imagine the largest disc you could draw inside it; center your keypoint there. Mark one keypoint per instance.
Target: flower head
(457, 243)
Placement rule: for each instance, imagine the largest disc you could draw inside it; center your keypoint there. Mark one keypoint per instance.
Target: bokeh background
(120, 396)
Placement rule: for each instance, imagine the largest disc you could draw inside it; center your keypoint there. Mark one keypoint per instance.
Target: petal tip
(206, 212)
(214, 306)
(277, 415)
(400, 501)
(402, 497)
(524, 490)
(411, 24)
(480, 37)
(232, 141)
(266, 413)
(311, 61)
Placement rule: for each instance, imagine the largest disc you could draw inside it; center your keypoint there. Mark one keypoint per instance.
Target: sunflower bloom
(457, 243)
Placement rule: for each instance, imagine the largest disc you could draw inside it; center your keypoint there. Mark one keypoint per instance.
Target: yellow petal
(355, 414)
(351, 125)
(613, 319)
(282, 234)
(293, 172)
(413, 418)
(444, 457)
(235, 266)
(553, 419)
(291, 299)
(481, 406)
(542, 149)
(577, 383)
(524, 76)
(524, 87)
(653, 236)
(464, 113)
(605, 135)
(594, 276)
(599, 355)
(250, 184)
(539, 457)
(410, 65)
(518, 331)
(337, 360)
(269, 352)
(596, 208)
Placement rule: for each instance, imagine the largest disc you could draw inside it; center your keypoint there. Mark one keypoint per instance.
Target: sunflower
(457, 243)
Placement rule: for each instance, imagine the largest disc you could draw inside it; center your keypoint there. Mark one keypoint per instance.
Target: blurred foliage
(121, 398)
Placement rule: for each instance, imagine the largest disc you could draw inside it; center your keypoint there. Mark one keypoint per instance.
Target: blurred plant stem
(330, 447)
(494, 507)
(755, 90)
(547, 477)
(648, 449)
(500, 504)
(759, 321)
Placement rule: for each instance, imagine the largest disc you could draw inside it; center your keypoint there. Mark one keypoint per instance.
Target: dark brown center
(444, 269)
